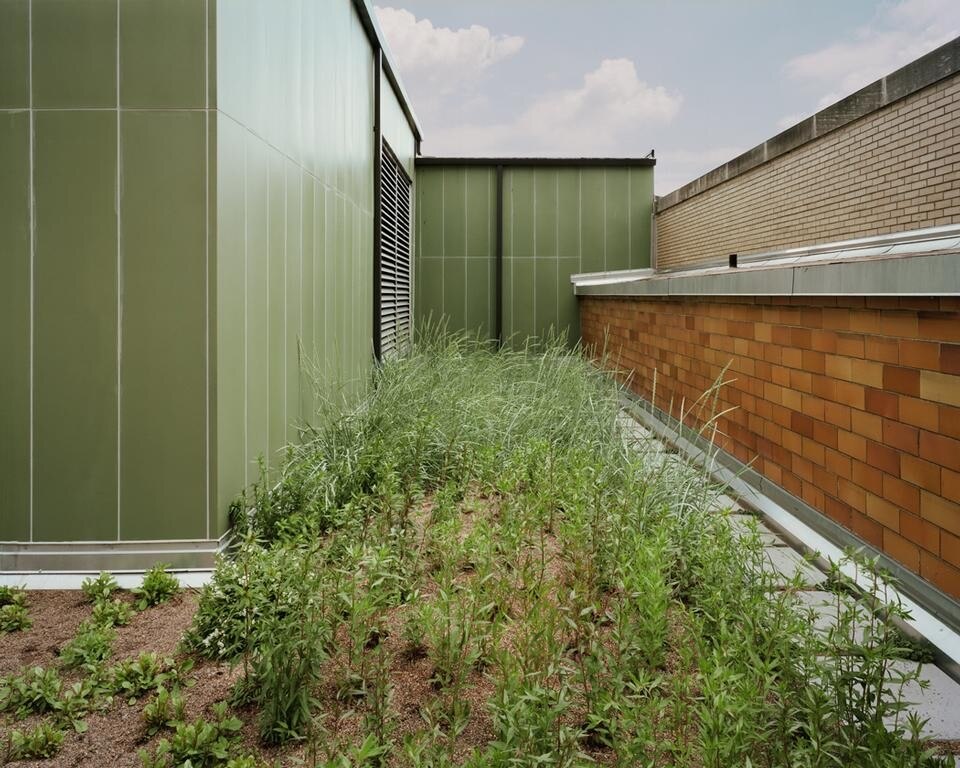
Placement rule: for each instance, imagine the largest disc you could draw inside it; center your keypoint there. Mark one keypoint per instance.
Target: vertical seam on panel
(33, 221)
(206, 313)
(604, 219)
(443, 244)
(269, 455)
(629, 264)
(533, 173)
(206, 255)
(245, 313)
(556, 246)
(466, 246)
(119, 283)
(579, 220)
(513, 259)
(286, 308)
(300, 297)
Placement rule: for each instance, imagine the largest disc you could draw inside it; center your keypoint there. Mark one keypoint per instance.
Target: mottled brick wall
(895, 169)
(851, 404)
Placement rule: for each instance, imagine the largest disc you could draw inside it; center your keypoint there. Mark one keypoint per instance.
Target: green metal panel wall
(294, 220)
(395, 128)
(557, 221)
(456, 247)
(103, 231)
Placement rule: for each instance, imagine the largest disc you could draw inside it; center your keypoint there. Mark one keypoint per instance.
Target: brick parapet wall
(850, 404)
(894, 169)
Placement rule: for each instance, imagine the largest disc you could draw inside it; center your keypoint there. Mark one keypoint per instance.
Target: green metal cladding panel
(104, 280)
(294, 225)
(76, 436)
(557, 221)
(190, 265)
(164, 361)
(456, 247)
(15, 397)
(395, 128)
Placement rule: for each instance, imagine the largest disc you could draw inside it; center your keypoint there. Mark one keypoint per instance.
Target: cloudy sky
(698, 80)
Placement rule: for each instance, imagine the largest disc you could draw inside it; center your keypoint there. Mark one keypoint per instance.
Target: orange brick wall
(850, 404)
(895, 169)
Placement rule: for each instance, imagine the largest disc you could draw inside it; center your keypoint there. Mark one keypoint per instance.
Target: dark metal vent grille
(395, 280)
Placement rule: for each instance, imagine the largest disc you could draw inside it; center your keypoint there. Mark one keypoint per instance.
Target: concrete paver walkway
(938, 702)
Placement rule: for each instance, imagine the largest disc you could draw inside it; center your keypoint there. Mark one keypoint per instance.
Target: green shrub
(111, 613)
(100, 588)
(89, 648)
(14, 618)
(132, 678)
(200, 744)
(157, 587)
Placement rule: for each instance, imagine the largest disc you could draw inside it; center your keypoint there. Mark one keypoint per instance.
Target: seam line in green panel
(206, 318)
(119, 280)
(32, 248)
(246, 273)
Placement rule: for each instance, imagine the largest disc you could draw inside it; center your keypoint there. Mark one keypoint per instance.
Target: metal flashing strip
(189, 578)
(915, 263)
(934, 615)
(17, 557)
(378, 40)
(534, 162)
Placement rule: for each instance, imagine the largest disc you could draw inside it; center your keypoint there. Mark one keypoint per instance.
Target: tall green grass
(490, 498)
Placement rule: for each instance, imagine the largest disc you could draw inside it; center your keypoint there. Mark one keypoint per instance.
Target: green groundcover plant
(479, 512)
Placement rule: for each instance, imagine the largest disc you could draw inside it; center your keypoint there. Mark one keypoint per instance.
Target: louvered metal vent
(394, 278)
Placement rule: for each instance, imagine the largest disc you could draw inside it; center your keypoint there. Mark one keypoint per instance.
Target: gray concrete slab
(824, 609)
(786, 564)
(939, 703)
(724, 503)
(742, 525)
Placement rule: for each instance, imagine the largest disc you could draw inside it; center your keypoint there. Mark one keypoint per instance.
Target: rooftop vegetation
(472, 566)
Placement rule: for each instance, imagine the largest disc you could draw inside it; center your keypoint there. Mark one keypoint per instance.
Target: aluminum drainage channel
(924, 621)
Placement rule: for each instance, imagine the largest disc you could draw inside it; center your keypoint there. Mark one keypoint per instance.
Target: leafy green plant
(42, 741)
(165, 711)
(157, 587)
(99, 588)
(36, 691)
(89, 648)
(14, 616)
(111, 613)
(132, 678)
(200, 744)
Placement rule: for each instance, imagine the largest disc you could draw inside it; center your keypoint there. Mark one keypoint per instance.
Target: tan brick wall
(851, 404)
(896, 169)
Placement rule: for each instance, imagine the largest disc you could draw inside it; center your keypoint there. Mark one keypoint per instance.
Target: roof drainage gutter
(934, 615)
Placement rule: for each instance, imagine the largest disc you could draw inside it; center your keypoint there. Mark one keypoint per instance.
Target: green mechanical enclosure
(555, 219)
(186, 230)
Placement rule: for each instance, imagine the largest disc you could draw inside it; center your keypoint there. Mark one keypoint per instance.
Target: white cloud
(605, 114)
(898, 33)
(441, 59)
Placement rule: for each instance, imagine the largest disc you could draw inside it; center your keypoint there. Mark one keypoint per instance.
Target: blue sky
(698, 80)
